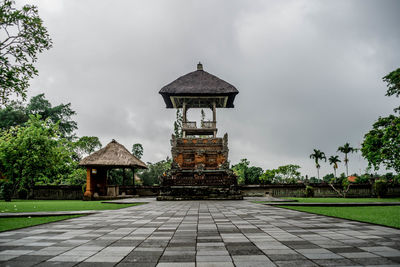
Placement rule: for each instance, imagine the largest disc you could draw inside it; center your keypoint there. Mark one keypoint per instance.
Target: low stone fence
(320, 190)
(71, 192)
(275, 190)
(67, 192)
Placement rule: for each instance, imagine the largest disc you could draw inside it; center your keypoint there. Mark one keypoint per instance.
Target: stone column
(214, 109)
(184, 117)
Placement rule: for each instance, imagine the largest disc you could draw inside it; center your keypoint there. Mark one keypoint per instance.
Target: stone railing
(189, 125)
(209, 124)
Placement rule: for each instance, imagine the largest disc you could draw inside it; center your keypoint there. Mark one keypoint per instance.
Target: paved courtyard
(202, 233)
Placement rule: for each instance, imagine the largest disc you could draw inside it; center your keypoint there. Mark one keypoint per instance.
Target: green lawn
(58, 205)
(384, 215)
(341, 200)
(336, 200)
(21, 222)
(49, 205)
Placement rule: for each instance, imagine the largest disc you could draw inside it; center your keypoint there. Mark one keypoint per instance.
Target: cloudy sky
(309, 73)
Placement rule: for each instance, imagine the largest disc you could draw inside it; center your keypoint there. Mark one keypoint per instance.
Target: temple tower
(200, 167)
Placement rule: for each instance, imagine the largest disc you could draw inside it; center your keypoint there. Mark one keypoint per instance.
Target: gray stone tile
(322, 256)
(214, 264)
(208, 233)
(213, 259)
(358, 255)
(296, 263)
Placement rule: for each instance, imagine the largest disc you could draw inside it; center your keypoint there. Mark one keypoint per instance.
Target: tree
(346, 149)
(267, 177)
(240, 170)
(152, 175)
(318, 155)
(289, 173)
(178, 123)
(16, 114)
(60, 114)
(253, 174)
(34, 153)
(393, 84)
(12, 115)
(23, 36)
(137, 150)
(333, 160)
(86, 145)
(381, 145)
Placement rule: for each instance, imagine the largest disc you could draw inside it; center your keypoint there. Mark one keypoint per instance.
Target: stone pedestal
(199, 170)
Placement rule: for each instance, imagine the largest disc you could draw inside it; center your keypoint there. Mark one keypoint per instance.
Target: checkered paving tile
(202, 233)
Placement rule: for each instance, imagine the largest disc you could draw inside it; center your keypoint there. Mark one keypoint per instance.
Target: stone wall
(67, 192)
(320, 190)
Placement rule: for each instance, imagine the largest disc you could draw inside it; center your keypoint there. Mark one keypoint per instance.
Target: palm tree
(333, 160)
(317, 155)
(346, 149)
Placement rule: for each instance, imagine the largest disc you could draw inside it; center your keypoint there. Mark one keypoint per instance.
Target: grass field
(384, 215)
(341, 200)
(58, 205)
(336, 200)
(49, 205)
(21, 222)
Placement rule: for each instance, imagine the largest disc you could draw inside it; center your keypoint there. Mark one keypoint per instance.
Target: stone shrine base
(199, 193)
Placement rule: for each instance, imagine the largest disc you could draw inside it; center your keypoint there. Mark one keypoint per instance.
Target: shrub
(6, 191)
(22, 193)
(309, 192)
(84, 188)
(380, 188)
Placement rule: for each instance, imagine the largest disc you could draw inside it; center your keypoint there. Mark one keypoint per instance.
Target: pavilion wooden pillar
(90, 184)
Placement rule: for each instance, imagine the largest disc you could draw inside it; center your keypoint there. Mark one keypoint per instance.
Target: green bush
(22, 193)
(6, 191)
(380, 188)
(309, 191)
(84, 188)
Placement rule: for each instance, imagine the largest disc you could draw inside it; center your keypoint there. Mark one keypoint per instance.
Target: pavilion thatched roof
(199, 83)
(113, 155)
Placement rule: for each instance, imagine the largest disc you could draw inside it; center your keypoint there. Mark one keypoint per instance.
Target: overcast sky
(309, 73)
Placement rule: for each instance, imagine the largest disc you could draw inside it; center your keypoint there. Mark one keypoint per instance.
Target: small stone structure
(114, 155)
(200, 168)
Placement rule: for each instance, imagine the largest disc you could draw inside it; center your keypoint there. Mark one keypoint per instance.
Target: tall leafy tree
(137, 150)
(381, 145)
(60, 114)
(23, 37)
(86, 145)
(12, 115)
(346, 149)
(17, 114)
(155, 170)
(253, 174)
(289, 173)
(267, 177)
(334, 160)
(33, 153)
(393, 84)
(240, 170)
(318, 155)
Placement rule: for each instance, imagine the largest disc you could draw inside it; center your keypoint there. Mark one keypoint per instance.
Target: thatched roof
(113, 155)
(199, 83)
